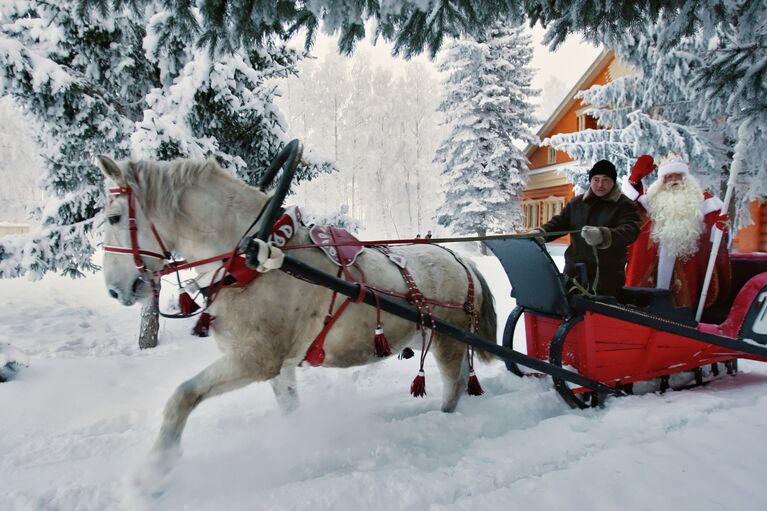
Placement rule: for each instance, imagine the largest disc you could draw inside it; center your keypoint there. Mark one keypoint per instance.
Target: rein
(172, 266)
(428, 241)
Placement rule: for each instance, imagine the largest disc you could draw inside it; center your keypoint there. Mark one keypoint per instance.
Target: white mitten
(592, 235)
(538, 235)
(269, 257)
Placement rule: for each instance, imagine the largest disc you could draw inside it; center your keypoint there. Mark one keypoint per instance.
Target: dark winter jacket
(617, 217)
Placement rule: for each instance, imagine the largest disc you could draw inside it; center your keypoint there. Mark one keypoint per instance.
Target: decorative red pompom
(315, 355)
(186, 304)
(202, 328)
(418, 387)
(380, 343)
(474, 388)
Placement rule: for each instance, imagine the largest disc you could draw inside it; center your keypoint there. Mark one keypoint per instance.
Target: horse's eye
(113, 219)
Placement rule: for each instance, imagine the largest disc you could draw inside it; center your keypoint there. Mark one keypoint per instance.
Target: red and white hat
(673, 166)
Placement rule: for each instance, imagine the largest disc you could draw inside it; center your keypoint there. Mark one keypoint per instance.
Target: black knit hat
(603, 168)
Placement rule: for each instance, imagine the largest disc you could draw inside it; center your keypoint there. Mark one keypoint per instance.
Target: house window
(532, 212)
(586, 122)
(551, 206)
(539, 211)
(552, 155)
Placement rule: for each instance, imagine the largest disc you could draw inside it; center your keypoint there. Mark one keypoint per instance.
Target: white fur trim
(629, 190)
(643, 201)
(672, 167)
(712, 204)
(665, 268)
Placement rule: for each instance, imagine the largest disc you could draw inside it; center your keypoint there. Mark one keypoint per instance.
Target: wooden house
(548, 190)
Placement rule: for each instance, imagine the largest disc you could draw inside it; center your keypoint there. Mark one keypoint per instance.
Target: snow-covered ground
(76, 424)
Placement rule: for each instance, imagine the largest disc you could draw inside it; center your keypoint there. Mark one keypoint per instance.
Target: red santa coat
(688, 274)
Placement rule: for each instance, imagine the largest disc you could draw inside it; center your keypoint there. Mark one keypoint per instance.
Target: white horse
(264, 330)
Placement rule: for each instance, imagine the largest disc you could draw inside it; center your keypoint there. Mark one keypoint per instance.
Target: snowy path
(78, 422)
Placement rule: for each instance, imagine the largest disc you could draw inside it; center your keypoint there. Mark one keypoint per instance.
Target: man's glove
(537, 235)
(592, 235)
(642, 168)
(263, 256)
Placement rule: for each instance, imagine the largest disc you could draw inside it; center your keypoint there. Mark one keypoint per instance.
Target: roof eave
(591, 73)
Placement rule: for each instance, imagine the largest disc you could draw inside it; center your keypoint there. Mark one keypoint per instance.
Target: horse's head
(132, 251)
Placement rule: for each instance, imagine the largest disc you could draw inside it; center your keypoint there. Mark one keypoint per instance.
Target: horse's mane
(161, 183)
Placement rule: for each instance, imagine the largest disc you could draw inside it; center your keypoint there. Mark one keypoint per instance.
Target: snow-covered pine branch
(123, 84)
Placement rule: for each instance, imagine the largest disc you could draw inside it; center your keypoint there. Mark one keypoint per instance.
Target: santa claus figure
(674, 244)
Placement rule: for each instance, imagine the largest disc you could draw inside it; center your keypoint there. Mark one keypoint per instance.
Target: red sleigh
(637, 336)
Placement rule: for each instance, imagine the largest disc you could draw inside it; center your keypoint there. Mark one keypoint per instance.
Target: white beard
(677, 215)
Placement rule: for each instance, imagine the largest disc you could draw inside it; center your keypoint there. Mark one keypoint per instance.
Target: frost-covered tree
(701, 96)
(20, 166)
(126, 84)
(421, 135)
(487, 105)
(733, 79)
(80, 83)
(384, 132)
(412, 25)
(653, 110)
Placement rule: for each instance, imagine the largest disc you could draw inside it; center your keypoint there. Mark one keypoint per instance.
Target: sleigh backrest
(536, 282)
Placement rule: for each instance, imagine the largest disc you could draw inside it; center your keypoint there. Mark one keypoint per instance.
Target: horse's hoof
(152, 478)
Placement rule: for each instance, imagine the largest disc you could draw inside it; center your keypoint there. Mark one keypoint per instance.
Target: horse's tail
(488, 320)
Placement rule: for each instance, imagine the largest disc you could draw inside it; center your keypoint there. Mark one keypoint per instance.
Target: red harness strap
(315, 355)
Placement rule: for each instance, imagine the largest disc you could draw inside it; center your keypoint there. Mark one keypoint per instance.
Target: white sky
(567, 64)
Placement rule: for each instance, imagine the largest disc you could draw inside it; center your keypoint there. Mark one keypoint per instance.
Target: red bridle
(170, 265)
(134, 249)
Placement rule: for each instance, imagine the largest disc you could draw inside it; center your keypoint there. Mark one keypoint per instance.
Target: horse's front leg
(225, 374)
(284, 388)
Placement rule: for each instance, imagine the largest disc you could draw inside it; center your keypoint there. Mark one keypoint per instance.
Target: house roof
(589, 76)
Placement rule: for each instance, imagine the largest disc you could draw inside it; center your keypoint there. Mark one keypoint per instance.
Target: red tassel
(406, 353)
(474, 388)
(315, 355)
(380, 344)
(187, 305)
(418, 387)
(202, 328)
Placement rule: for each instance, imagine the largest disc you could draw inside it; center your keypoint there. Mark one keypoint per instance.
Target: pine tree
(127, 84)
(81, 83)
(414, 26)
(487, 103)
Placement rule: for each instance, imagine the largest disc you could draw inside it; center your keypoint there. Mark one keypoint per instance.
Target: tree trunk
(150, 323)
(482, 246)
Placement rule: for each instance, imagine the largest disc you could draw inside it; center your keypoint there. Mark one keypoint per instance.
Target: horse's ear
(110, 169)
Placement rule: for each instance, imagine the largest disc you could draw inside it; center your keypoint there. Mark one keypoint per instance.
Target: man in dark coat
(607, 220)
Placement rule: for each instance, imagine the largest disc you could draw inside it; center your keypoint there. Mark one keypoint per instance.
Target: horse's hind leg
(225, 374)
(454, 369)
(284, 388)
